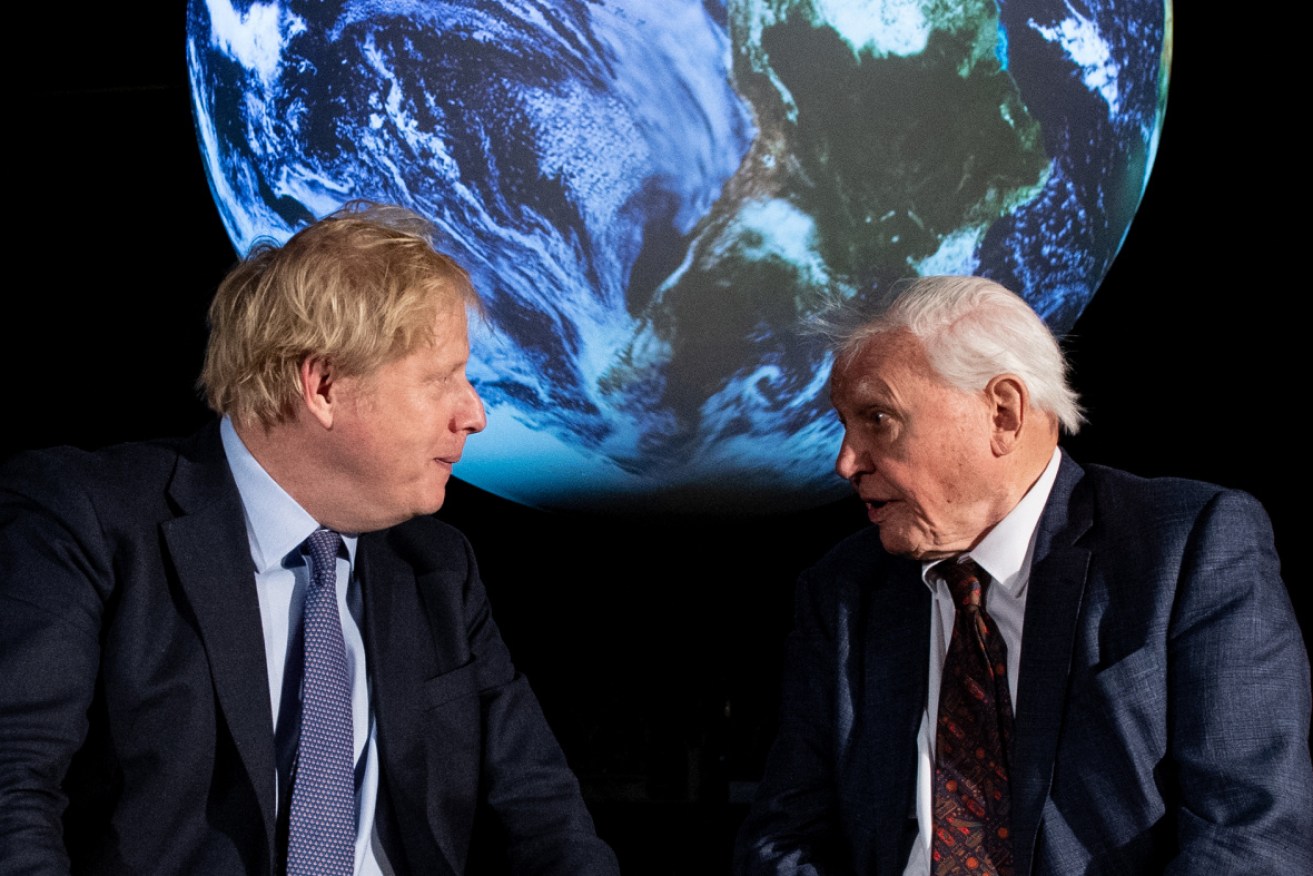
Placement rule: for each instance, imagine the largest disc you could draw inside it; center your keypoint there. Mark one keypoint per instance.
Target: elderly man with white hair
(1027, 666)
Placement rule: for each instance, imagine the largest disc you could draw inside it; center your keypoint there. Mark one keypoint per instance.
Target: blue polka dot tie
(321, 835)
(972, 800)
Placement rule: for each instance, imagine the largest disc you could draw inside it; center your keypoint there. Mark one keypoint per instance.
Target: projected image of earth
(655, 197)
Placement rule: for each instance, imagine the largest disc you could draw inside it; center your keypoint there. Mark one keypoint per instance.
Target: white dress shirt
(277, 527)
(1005, 553)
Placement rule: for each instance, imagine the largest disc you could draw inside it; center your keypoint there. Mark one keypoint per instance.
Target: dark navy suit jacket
(1162, 718)
(135, 729)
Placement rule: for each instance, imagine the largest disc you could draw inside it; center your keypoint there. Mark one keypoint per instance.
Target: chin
(428, 498)
(436, 500)
(903, 544)
(895, 544)
(432, 506)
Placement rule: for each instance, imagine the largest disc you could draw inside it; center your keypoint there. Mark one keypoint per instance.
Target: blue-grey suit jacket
(136, 734)
(1162, 716)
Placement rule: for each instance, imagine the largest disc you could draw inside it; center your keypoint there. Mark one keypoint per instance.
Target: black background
(654, 642)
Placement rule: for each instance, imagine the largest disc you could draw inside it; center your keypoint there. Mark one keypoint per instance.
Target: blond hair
(359, 288)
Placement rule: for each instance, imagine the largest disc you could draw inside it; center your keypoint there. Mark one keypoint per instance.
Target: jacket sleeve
(793, 826)
(531, 791)
(52, 592)
(500, 794)
(1239, 702)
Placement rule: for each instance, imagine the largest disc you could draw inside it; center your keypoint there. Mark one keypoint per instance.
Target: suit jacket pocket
(1138, 675)
(1125, 712)
(459, 682)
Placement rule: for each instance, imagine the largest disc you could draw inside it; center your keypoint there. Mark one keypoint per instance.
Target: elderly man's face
(917, 451)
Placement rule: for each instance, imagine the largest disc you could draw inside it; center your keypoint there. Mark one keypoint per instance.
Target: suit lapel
(1057, 585)
(209, 548)
(399, 647)
(896, 624)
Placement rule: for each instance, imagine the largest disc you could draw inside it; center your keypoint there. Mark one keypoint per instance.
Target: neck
(1025, 466)
(1030, 469)
(281, 451)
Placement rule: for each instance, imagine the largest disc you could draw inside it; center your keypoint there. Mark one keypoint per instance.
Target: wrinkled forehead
(877, 363)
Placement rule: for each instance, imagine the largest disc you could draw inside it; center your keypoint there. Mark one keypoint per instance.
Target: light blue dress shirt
(277, 528)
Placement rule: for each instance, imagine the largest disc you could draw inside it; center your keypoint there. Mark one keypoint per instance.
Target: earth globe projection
(657, 197)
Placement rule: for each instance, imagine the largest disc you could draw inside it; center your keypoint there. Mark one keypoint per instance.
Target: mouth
(874, 507)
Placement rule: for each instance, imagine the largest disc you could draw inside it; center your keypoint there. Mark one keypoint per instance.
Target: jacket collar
(1057, 586)
(402, 631)
(208, 546)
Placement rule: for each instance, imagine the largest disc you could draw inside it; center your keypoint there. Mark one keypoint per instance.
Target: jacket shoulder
(428, 544)
(858, 553)
(110, 479)
(857, 564)
(1130, 500)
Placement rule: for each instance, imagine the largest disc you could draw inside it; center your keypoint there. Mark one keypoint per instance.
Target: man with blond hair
(1026, 666)
(255, 650)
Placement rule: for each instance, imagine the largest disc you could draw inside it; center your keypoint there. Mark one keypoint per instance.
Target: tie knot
(323, 545)
(966, 581)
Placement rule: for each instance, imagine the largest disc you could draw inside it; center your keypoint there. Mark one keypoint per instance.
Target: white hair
(972, 330)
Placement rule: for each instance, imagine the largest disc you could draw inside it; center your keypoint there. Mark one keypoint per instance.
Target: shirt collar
(1005, 551)
(275, 524)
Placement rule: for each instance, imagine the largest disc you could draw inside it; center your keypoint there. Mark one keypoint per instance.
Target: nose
(471, 417)
(850, 462)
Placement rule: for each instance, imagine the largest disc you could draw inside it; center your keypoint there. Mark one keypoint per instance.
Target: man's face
(917, 451)
(399, 430)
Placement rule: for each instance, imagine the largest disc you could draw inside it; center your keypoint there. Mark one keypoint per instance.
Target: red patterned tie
(972, 800)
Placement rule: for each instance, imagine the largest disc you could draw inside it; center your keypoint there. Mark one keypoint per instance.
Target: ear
(1008, 401)
(318, 388)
